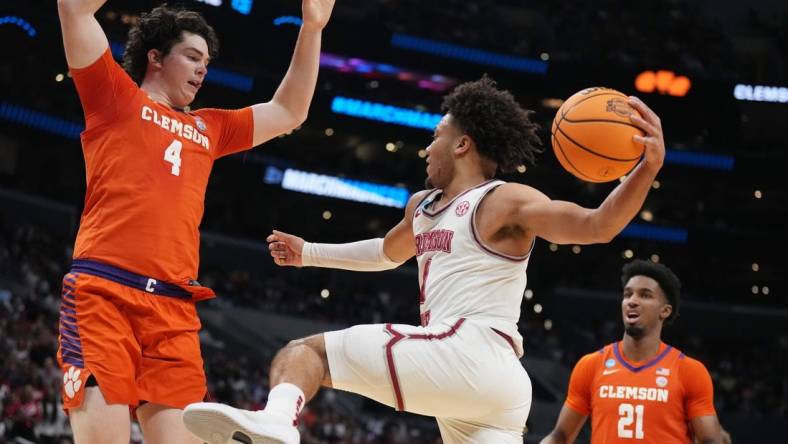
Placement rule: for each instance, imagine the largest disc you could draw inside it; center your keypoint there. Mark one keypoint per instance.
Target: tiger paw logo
(71, 382)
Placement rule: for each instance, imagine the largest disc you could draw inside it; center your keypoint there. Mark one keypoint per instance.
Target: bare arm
(290, 104)
(398, 245)
(565, 222)
(83, 38)
(567, 428)
(707, 430)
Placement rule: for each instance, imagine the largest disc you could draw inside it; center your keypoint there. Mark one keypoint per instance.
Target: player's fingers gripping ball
(593, 135)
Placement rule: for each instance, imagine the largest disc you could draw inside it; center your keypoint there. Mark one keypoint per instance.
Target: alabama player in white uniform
(472, 236)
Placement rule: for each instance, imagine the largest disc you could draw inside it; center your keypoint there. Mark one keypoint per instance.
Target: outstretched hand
(654, 140)
(316, 13)
(285, 249)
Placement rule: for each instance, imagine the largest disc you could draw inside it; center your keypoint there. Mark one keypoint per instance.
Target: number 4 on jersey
(173, 155)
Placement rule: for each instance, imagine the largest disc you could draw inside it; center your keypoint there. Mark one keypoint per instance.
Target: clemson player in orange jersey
(128, 325)
(641, 390)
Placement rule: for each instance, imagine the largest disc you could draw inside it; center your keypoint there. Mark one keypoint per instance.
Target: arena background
(716, 215)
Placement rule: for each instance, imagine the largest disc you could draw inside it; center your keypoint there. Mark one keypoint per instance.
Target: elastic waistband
(129, 279)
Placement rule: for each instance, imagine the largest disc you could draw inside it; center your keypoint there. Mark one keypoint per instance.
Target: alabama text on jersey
(459, 275)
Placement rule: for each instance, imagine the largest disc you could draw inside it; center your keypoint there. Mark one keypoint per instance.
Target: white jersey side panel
(458, 275)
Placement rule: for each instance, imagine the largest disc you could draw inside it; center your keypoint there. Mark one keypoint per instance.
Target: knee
(312, 348)
(293, 344)
(312, 345)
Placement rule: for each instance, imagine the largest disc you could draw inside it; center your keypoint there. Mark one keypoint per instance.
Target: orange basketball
(592, 135)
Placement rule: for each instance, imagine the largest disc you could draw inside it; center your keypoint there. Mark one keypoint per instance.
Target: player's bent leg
(357, 362)
(95, 421)
(303, 363)
(297, 372)
(163, 425)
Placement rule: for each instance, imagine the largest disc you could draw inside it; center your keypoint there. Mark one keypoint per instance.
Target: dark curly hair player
(161, 29)
(472, 236)
(128, 325)
(501, 128)
(640, 389)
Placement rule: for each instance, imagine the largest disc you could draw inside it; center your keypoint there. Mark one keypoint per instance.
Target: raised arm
(565, 222)
(290, 104)
(567, 428)
(367, 255)
(83, 38)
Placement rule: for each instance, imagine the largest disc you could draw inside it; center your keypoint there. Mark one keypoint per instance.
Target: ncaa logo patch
(462, 208)
(200, 124)
(662, 381)
(610, 363)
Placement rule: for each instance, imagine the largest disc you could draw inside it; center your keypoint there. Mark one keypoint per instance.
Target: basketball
(592, 135)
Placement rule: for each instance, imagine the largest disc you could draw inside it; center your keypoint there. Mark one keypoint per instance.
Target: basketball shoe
(221, 424)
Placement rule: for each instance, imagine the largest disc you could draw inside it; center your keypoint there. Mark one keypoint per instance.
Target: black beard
(635, 332)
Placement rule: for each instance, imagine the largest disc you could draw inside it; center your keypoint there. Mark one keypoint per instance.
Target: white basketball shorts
(465, 374)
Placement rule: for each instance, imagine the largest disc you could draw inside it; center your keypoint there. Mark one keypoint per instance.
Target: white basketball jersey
(459, 276)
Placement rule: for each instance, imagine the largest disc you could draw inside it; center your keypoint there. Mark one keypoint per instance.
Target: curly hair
(500, 127)
(667, 280)
(162, 28)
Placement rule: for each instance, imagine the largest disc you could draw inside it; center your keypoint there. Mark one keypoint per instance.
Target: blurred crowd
(749, 376)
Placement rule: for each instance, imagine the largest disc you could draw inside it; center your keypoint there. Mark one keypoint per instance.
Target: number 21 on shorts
(173, 155)
(628, 414)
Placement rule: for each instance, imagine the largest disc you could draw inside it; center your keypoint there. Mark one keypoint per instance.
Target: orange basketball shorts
(135, 335)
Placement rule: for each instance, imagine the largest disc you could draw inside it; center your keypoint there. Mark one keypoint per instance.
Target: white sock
(286, 399)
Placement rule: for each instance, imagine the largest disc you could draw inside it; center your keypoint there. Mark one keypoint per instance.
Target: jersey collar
(620, 358)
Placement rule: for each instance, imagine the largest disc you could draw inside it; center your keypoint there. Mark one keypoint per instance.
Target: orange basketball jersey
(640, 402)
(147, 169)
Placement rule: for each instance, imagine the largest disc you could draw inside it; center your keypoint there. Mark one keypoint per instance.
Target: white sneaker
(221, 424)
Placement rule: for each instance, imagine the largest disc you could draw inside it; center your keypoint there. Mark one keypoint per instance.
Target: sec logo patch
(462, 208)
